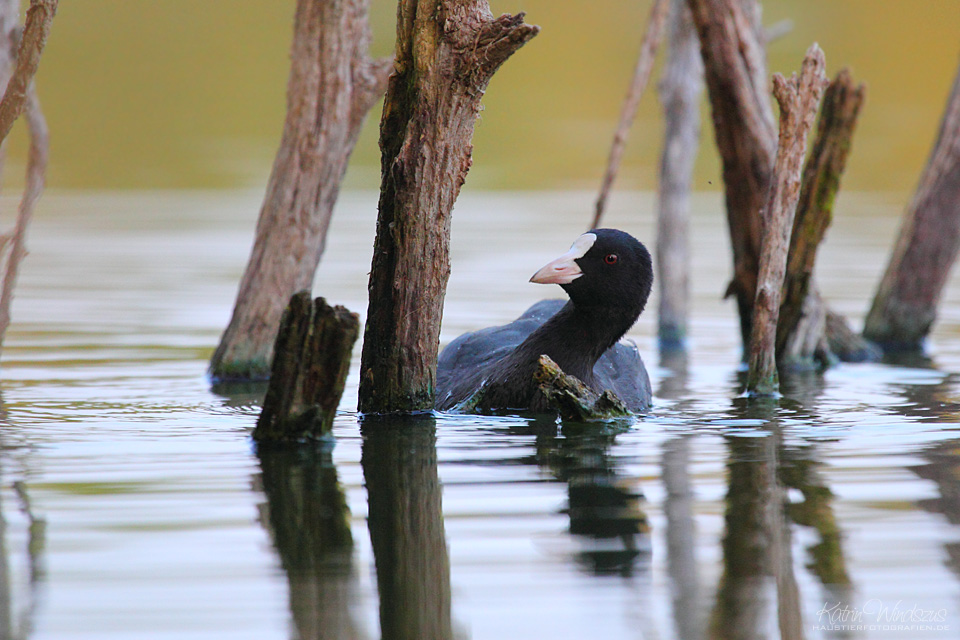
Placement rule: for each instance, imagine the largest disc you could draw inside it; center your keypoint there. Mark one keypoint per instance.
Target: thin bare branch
(35, 31)
(641, 75)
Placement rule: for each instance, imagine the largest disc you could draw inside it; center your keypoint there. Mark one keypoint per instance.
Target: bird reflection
(604, 507)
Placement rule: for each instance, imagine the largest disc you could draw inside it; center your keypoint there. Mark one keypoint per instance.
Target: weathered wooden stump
(572, 399)
(310, 364)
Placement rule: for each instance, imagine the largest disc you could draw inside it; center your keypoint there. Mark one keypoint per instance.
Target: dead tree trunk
(332, 86)
(446, 54)
(680, 89)
(798, 98)
(20, 96)
(905, 304)
(736, 75)
(821, 181)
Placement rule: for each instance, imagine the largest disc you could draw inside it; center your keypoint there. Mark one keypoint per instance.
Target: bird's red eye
(611, 258)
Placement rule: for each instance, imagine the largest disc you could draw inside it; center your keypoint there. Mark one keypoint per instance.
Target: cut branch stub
(446, 54)
(310, 366)
(821, 180)
(798, 98)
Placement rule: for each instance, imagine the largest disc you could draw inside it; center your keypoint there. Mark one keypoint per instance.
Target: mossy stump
(572, 399)
(310, 364)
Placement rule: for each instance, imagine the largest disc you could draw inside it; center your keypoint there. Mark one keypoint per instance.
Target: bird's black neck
(576, 336)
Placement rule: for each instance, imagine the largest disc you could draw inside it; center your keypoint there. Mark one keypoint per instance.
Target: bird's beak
(565, 269)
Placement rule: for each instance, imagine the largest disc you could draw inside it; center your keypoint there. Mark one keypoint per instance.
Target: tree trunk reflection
(406, 527)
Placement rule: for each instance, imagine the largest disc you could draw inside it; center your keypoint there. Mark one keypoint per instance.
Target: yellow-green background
(190, 93)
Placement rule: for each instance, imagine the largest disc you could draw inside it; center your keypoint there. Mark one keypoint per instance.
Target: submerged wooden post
(680, 89)
(447, 51)
(798, 98)
(905, 304)
(310, 365)
(821, 181)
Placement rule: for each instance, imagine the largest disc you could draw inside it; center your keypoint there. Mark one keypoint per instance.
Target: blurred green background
(184, 94)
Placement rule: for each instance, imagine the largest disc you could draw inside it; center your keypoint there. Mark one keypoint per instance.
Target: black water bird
(607, 274)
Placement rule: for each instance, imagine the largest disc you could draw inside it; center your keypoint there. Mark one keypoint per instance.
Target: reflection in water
(17, 618)
(307, 515)
(604, 507)
(6, 600)
(681, 539)
(943, 467)
(678, 508)
(399, 459)
(799, 470)
(757, 594)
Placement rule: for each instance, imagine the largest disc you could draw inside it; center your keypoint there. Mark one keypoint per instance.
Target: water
(152, 516)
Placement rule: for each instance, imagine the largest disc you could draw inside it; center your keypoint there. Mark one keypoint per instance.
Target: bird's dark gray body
(469, 361)
(608, 275)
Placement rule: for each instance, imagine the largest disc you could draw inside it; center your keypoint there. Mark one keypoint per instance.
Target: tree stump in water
(905, 305)
(310, 365)
(447, 52)
(333, 83)
(572, 399)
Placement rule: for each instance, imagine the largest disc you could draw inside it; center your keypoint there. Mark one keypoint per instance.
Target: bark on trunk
(680, 89)
(332, 86)
(446, 54)
(799, 99)
(20, 96)
(821, 181)
(905, 305)
(736, 75)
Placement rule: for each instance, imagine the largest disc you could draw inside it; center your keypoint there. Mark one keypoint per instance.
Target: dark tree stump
(311, 361)
(736, 74)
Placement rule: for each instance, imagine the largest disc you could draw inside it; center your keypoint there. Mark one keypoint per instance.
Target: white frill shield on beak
(565, 269)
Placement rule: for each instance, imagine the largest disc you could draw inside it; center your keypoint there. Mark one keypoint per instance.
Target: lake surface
(134, 504)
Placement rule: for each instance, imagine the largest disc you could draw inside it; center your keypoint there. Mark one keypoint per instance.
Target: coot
(607, 274)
